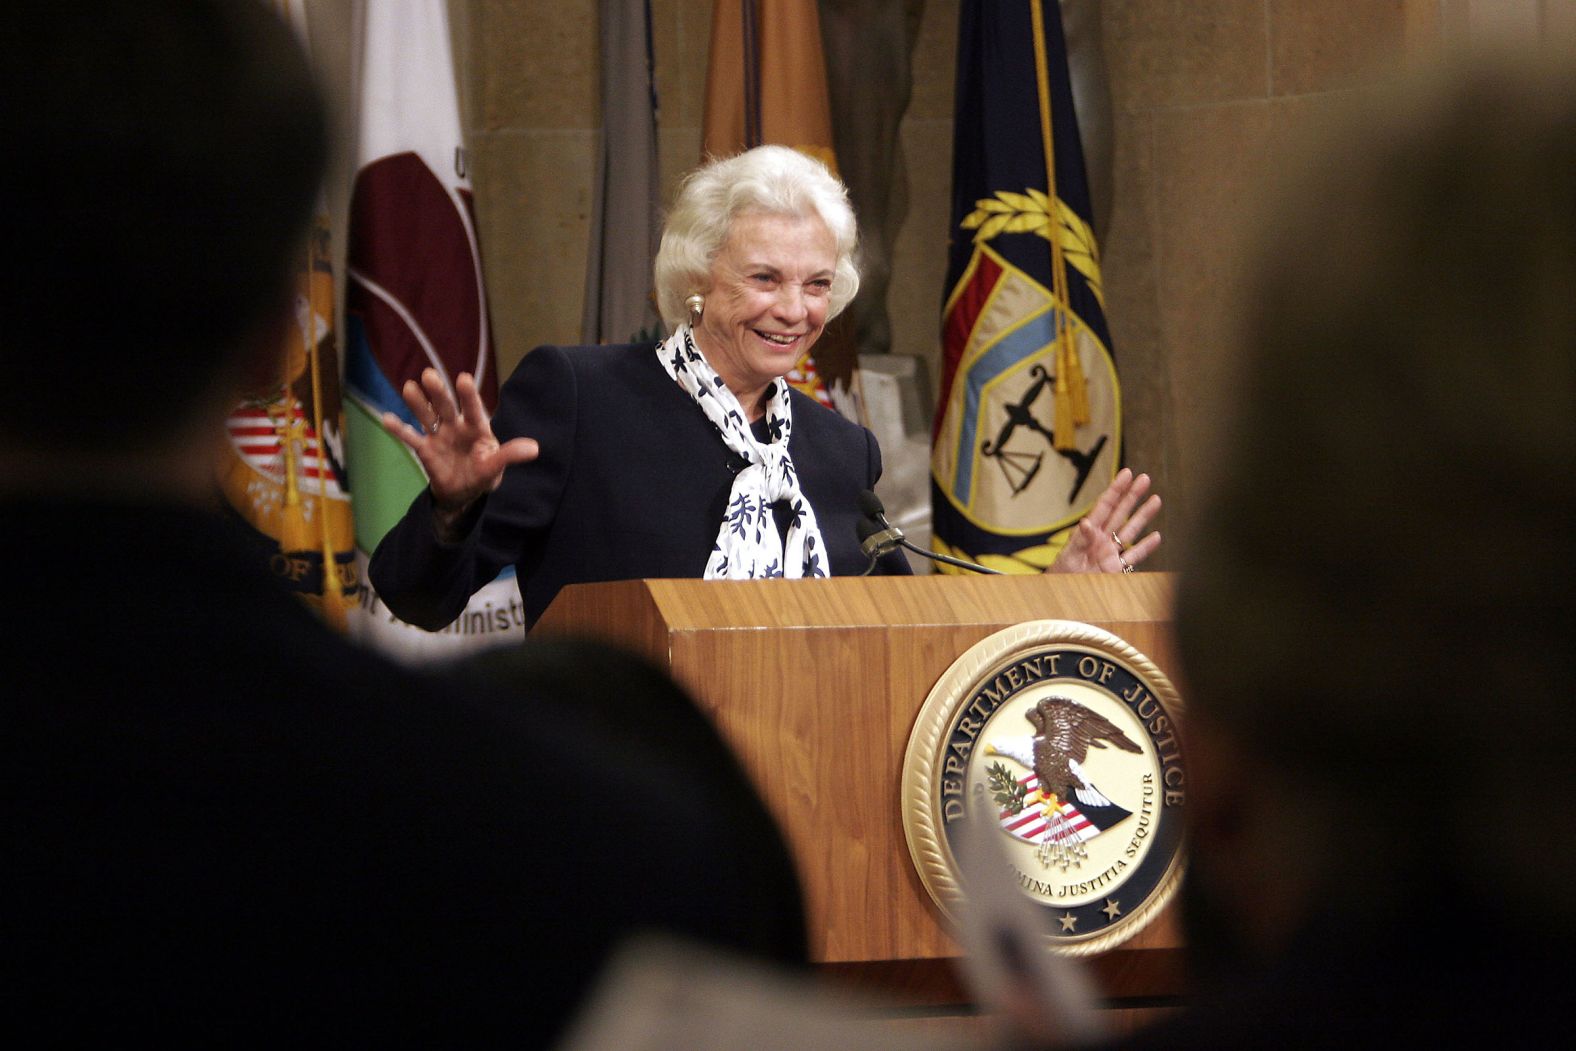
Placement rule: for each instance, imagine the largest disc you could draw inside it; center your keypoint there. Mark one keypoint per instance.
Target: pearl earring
(697, 306)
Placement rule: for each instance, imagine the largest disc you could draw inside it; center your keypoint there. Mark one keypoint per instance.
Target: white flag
(414, 295)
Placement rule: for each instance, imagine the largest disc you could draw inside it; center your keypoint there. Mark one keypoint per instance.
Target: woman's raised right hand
(463, 459)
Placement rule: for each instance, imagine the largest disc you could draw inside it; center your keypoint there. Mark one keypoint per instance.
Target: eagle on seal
(1064, 731)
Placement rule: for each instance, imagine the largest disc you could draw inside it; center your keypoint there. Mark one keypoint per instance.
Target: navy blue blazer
(631, 483)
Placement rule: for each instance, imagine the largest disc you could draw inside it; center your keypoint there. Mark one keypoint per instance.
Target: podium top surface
(876, 602)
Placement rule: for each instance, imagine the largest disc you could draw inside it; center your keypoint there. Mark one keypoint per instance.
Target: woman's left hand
(1107, 540)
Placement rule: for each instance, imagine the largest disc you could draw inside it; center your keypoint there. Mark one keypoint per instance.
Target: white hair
(771, 179)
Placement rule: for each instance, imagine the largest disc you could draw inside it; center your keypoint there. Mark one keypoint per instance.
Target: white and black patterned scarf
(748, 544)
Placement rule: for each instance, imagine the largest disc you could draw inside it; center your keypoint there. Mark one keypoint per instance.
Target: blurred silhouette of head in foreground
(163, 160)
(1375, 617)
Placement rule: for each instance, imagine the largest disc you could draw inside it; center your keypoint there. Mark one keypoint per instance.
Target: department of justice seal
(1066, 738)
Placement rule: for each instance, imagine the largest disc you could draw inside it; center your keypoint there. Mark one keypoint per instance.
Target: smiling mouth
(778, 338)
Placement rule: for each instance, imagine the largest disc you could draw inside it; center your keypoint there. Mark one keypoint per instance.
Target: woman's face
(771, 284)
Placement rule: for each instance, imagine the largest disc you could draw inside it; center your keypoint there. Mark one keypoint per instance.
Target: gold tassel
(294, 532)
(1075, 381)
(1062, 436)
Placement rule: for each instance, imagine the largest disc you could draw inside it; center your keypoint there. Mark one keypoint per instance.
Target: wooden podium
(816, 684)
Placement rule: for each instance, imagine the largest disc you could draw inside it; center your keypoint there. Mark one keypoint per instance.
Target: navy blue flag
(1028, 429)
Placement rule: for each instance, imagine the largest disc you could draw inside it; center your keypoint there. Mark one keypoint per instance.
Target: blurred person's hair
(162, 160)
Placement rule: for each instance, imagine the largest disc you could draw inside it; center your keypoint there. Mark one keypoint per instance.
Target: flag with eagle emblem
(1028, 428)
(282, 471)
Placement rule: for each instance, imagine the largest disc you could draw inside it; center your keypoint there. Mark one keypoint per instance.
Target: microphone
(877, 536)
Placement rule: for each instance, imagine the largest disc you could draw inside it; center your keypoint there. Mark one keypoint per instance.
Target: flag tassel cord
(294, 533)
(333, 591)
(1071, 391)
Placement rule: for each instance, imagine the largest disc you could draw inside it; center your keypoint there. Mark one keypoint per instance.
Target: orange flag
(767, 79)
(766, 83)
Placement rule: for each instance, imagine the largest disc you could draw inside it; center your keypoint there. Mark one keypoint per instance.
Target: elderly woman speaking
(690, 458)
